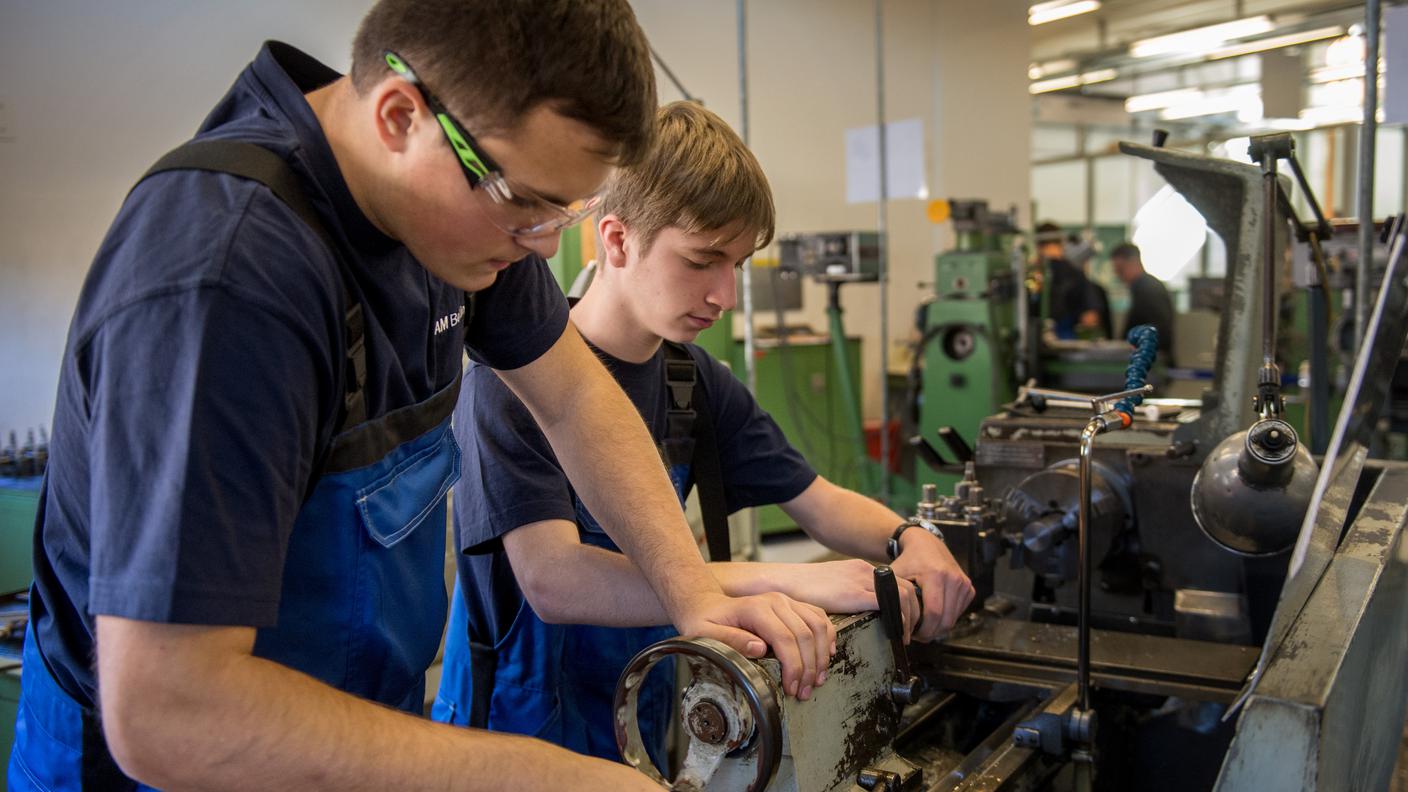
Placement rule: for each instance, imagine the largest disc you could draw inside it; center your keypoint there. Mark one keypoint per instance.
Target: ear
(612, 233)
(398, 109)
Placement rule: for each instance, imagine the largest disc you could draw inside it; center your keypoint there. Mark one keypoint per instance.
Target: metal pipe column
(1367, 133)
(750, 367)
(750, 364)
(1083, 565)
(1268, 264)
(883, 253)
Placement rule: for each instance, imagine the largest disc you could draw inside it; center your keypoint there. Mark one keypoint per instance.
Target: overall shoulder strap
(690, 414)
(259, 164)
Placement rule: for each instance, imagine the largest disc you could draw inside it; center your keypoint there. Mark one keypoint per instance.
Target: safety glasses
(511, 207)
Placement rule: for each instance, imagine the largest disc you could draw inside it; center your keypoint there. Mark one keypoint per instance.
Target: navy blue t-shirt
(202, 377)
(511, 477)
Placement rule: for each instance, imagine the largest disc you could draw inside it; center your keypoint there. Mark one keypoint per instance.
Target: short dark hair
(699, 177)
(1126, 250)
(492, 61)
(1049, 233)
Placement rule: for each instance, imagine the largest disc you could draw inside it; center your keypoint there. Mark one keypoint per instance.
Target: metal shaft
(1270, 200)
(1087, 442)
(750, 366)
(750, 342)
(1367, 134)
(883, 251)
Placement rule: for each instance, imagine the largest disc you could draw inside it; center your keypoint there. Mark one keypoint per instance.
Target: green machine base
(967, 346)
(798, 385)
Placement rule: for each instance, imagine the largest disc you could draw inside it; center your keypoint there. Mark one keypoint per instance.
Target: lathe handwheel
(722, 669)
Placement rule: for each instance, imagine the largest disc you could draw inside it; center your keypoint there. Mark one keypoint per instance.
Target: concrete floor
(790, 547)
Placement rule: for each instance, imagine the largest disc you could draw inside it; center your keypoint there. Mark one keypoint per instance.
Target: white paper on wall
(904, 162)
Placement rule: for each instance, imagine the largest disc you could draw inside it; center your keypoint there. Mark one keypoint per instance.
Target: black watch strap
(892, 547)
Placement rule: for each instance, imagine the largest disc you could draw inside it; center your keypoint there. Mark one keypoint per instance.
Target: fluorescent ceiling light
(1346, 71)
(1201, 40)
(1276, 42)
(1160, 100)
(1216, 105)
(1244, 100)
(1054, 84)
(1041, 13)
(1071, 81)
(1342, 114)
(1038, 70)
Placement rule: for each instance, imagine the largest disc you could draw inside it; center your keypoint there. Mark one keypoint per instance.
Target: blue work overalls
(558, 682)
(363, 599)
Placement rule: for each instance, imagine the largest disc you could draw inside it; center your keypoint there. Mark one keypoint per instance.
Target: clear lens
(521, 212)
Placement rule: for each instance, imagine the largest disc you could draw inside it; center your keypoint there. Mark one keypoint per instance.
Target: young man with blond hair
(240, 543)
(548, 611)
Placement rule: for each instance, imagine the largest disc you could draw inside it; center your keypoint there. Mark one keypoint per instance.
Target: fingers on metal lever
(887, 594)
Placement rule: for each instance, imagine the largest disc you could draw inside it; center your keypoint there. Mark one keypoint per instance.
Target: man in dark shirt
(240, 542)
(1149, 302)
(1071, 302)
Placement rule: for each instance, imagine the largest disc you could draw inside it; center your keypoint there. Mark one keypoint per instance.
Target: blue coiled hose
(1145, 340)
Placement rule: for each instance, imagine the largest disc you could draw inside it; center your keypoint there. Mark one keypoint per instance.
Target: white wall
(957, 65)
(92, 93)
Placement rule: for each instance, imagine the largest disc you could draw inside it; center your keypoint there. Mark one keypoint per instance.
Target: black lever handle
(960, 450)
(887, 594)
(927, 452)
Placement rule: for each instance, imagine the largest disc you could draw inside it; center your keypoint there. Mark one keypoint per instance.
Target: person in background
(1071, 299)
(1149, 301)
(547, 612)
(1081, 252)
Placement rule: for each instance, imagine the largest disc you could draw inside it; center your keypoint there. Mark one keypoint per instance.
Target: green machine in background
(806, 381)
(21, 471)
(798, 383)
(966, 361)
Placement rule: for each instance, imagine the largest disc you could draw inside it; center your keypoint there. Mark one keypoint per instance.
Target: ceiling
(1103, 55)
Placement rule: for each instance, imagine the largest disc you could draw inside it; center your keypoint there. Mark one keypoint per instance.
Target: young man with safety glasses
(547, 611)
(239, 554)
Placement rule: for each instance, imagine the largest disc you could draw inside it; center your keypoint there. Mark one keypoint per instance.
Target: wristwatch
(892, 547)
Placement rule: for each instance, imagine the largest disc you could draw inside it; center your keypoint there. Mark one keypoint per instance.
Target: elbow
(546, 595)
(134, 745)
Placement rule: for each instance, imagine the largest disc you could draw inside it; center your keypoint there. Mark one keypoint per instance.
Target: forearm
(608, 590)
(249, 723)
(612, 462)
(845, 521)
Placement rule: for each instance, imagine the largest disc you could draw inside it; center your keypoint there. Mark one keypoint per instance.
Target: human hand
(843, 587)
(926, 560)
(802, 637)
